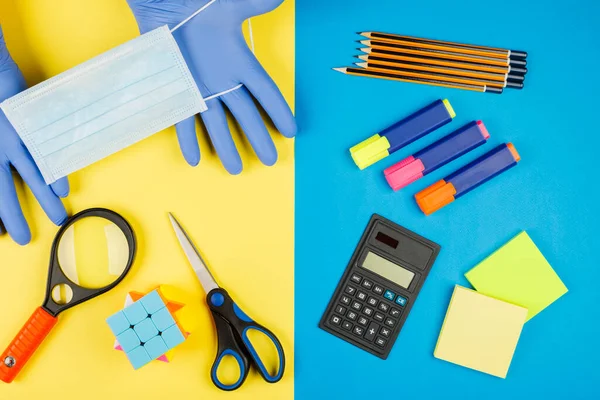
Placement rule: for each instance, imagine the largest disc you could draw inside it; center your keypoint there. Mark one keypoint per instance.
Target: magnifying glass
(91, 254)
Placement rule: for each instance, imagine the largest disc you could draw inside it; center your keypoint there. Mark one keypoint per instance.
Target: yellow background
(243, 225)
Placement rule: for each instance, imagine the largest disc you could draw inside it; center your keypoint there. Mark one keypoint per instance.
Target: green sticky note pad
(519, 274)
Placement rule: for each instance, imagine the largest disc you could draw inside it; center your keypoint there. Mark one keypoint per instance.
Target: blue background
(552, 194)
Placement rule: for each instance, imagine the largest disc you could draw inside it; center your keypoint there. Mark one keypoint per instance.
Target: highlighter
(467, 178)
(436, 155)
(402, 133)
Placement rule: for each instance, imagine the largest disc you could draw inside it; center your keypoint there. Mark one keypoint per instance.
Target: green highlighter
(518, 273)
(402, 133)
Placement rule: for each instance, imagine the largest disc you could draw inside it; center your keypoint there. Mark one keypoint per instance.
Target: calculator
(380, 286)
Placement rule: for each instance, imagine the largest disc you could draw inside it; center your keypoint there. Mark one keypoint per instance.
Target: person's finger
(250, 8)
(215, 122)
(262, 87)
(188, 141)
(10, 211)
(51, 204)
(242, 107)
(61, 187)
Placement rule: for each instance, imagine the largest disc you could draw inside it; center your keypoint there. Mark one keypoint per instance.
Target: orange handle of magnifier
(25, 344)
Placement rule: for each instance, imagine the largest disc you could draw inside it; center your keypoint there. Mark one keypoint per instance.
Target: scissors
(232, 324)
(44, 318)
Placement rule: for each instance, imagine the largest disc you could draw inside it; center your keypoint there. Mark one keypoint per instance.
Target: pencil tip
(342, 70)
(364, 49)
(365, 42)
(361, 64)
(363, 57)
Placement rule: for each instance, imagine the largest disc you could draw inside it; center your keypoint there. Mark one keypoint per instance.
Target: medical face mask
(106, 104)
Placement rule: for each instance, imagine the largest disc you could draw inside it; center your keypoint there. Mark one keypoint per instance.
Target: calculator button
(389, 295)
(378, 289)
(383, 307)
(367, 284)
(363, 321)
(356, 306)
(352, 315)
(401, 301)
(380, 342)
(340, 310)
(350, 290)
(358, 331)
(371, 331)
(336, 320)
(362, 296)
(368, 311)
(356, 278)
(386, 332)
(390, 322)
(379, 317)
(372, 301)
(345, 300)
(347, 325)
(394, 312)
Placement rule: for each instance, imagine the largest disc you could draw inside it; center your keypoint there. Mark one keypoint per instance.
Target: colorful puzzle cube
(147, 328)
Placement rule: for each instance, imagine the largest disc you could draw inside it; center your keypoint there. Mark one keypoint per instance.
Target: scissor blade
(194, 257)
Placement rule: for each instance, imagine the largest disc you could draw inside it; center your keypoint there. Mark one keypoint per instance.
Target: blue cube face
(145, 330)
(135, 313)
(138, 357)
(156, 347)
(152, 302)
(118, 323)
(163, 319)
(128, 340)
(173, 337)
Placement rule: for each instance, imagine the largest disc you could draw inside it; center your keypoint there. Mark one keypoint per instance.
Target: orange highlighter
(467, 178)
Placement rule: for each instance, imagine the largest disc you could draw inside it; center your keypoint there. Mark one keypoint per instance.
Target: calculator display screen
(388, 270)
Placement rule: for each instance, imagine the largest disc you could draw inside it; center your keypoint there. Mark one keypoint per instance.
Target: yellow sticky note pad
(480, 332)
(518, 273)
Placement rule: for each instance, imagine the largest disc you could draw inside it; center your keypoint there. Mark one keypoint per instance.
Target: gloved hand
(214, 48)
(13, 153)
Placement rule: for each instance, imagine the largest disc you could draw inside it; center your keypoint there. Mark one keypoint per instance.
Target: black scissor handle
(222, 305)
(228, 346)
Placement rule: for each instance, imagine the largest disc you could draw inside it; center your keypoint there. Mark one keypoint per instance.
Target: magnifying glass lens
(93, 252)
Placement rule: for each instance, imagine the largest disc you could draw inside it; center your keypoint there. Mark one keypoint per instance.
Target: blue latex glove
(216, 52)
(14, 154)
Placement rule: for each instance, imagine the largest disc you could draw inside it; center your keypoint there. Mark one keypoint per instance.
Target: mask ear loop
(185, 21)
(179, 25)
(252, 36)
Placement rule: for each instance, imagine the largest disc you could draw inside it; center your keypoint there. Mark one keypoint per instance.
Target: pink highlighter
(436, 155)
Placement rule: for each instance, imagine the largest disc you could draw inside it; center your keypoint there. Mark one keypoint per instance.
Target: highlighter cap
(370, 151)
(404, 173)
(435, 197)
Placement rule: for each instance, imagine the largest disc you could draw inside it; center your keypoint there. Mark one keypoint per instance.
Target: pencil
(434, 82)
(442, 54)
(383, 55)
(442, 76)
(465, 48)
(375, 63)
